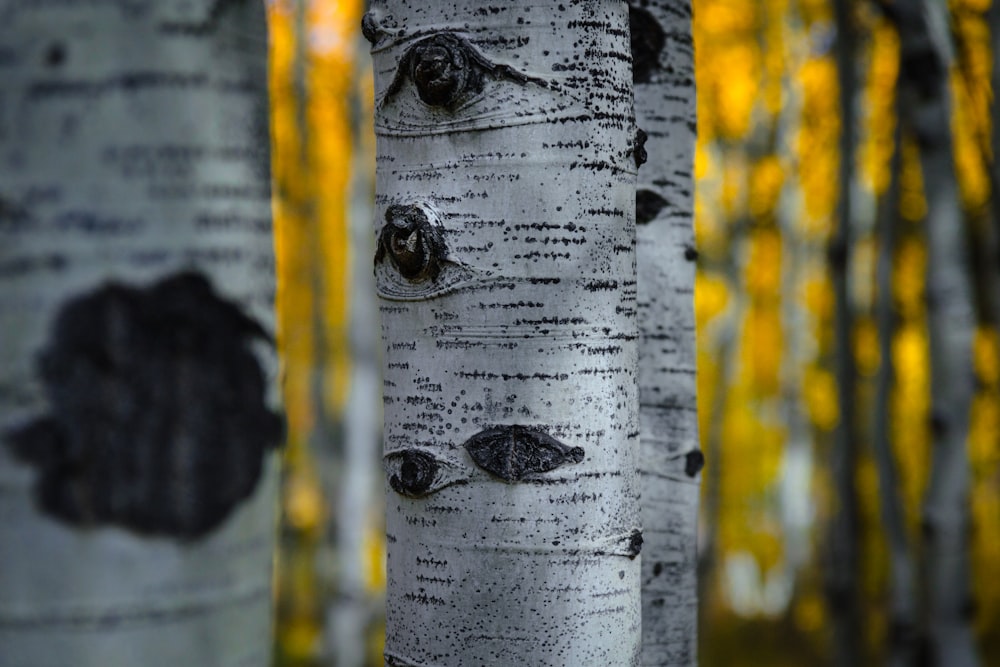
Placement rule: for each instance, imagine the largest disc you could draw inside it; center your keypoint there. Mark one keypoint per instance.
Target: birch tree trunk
(138, 398)
(843, 578)
(902, 603)
(506, 272)
(670, 458)
(925, 58)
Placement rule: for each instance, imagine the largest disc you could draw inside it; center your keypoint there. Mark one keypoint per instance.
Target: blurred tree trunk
(329, 585)
(138, 389)
(506, 272)
(844, 566)
(902, 574)
(670, 458)
(357, 611)
(925, 59)
(992, 250)
(994, 22)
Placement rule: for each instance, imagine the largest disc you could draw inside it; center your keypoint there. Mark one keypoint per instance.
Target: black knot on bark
(370, 28)
(694, 461)
(441, 67)
(413, 244)
(417, 472)
(514, 452)
(55, 55)
(939, 424)
(639, 147)
(634, 544)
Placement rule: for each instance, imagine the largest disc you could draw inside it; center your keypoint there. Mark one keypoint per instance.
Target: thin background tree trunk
(843, 569)
(670, 461)
(506, 271)
(137, 378)
(900, 651)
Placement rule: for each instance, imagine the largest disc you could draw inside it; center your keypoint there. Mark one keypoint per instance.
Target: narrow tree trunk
(900, 651)
(137, 372)
(924, 67)
(992, 253)
(359, 503)
(843, 569)
(670, 460)
(506, 271)
(994, 22)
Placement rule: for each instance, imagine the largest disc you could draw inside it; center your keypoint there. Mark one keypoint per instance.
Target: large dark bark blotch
(648, 40)
(157, 418)
(514, 452)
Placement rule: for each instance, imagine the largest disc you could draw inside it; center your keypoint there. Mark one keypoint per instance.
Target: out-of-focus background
(768, 169)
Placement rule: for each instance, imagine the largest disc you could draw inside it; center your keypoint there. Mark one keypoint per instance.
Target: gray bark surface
(925, 58)
(506, 272)
(138, 393)
(670, 460)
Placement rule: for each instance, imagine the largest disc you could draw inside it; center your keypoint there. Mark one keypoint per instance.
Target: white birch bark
(506, 272)
(670, 459)
(925, 58)
(137, 382)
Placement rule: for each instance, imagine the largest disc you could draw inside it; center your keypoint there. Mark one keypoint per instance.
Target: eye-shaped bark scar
(412, 243)
(412, 261)
(416, 473)
(514, 452)
(447, 69)
(157, 416)
(648, 205)
(648, 40)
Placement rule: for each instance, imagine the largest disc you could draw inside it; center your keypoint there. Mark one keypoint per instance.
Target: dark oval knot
(417, 472)
(440, 69)
(414, 245)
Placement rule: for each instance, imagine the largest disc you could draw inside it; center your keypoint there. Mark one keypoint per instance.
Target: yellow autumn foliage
(879, 109)
(767, 166)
